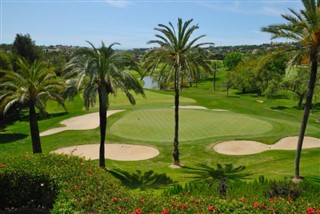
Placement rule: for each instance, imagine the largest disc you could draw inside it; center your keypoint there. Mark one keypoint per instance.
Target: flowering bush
(78, 186)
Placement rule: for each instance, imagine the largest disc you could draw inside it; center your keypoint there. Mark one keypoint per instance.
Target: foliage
(232, 59)
(27, 189)
(98, 73)
(83, 187)
(5, 63)
(302, 27)
(31, 86)
(178, 57)
(261, 74)
(25, 47)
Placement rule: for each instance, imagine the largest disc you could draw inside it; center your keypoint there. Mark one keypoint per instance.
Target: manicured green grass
(157, 125)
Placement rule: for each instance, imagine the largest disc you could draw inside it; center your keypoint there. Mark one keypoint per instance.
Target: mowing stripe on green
(157, 125)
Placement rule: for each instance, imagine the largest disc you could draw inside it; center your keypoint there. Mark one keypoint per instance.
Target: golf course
(207, 118)
(180, 126)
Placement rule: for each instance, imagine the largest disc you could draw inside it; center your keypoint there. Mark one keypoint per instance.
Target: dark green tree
(25, 47)
(302, 27)
(177, 56)
(99, 72)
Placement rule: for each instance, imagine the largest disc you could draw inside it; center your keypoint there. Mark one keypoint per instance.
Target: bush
(65, 184)
(20, 188)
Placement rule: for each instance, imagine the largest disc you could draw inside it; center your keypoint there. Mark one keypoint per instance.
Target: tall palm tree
(99, 72)
(31, 85)
(302, 27)
(177, 56)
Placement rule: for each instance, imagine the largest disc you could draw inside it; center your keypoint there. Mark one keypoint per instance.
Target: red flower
(256, 204)
(115, 200)
(211, 208)
(86, 203)
(273, 199)
(290, 199)
(183, 206)
(134, 212)
(2, 165)
(27, 156)
(138, 211)
(142, 201)
(317, 211)
(165, 211)
(262, 206)
(89, 196)
(242, 198)
(310, 210)
(196, 201)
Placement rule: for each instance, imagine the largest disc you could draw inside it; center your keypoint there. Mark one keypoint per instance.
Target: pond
(149, 83)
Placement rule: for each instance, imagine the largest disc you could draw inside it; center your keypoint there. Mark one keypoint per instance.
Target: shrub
(20, 188)
(66, 184)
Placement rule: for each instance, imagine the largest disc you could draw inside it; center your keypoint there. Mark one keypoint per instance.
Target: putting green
(157, 125)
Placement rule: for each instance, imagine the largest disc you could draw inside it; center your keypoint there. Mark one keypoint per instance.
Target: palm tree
(31, 85)
(98, 72)
(302, 27)
(177, 56)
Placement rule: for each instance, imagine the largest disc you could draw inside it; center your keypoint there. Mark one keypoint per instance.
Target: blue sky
(132, 23)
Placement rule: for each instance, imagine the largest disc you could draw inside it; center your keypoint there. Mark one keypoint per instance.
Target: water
(149, 83)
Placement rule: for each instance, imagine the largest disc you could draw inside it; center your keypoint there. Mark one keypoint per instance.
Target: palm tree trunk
(175, 153)
(34, 129)
(103, 96)
(301, 97)
(312, 81)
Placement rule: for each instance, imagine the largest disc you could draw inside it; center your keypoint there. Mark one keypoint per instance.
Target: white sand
(241, 147)
(84, 122)
(121, 152)
(191, 107)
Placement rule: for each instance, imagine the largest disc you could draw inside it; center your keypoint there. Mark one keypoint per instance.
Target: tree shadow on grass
(279, 108)
(204, 172)
(8, 137)
(315, 179)
(146, 180)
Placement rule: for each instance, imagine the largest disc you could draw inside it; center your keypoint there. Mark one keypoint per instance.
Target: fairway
(157, 125)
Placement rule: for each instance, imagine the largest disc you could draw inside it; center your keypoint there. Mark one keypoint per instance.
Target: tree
(31, 85)
(99, 72)
(5, 62)
(298, 84)
(25, 47)
(302, 27)
(177, 56)
(232, 59)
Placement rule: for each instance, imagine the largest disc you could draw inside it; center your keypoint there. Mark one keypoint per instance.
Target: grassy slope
(281, 113)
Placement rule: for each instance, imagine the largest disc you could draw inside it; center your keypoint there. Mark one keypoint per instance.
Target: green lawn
(157, 125)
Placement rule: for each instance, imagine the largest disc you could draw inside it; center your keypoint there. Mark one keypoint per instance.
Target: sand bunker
(191, 107)
(120, 152)
(84, 122)
(241, 147)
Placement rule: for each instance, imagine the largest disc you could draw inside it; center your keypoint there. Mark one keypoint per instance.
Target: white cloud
(118, 3)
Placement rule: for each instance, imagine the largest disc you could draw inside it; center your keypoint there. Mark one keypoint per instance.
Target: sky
(131, 22)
